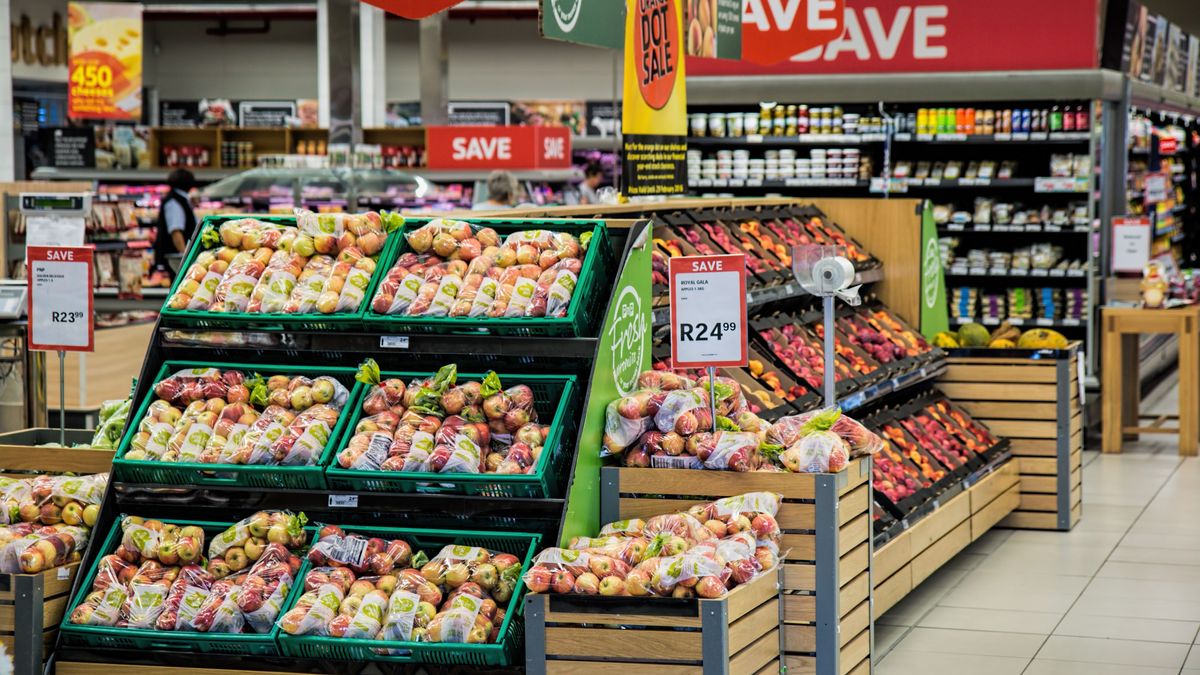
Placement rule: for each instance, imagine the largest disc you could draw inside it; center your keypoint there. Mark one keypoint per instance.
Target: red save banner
(1168, 145)
(498, 147)
(413, 9)
(901, 36)
(61, 316)
(775, 30)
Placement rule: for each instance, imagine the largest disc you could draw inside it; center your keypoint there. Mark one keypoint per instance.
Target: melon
(973, 335)
(945, 340)
(1042, 338)
(1002, 344)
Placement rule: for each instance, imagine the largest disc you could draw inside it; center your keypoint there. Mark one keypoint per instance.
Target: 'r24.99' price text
(703, 332)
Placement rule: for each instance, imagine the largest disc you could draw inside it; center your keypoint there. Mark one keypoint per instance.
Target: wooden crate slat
(854, 591)
(891, 556)
(1033, 447)
(715, 485)
(754, 625)
(853, 503)
(1016, 410)
(853, 533)
(1035, 502)
(619, 619)
(799, 608)
(800, 665)
(997, 391)
(999, 373)
(928, 561)
(892, 590)
(634, 644)
(757, 655)
(55, 460)
(749, 596)
(799, 546)
(591, 668)
(855, 651)
(854, 474)
(993, 485)
(863, 668)
(52, 611)
(799, 638)
(799, 577)
(854, 562)
(854, 620)
(987, 517)
(85, 668)
(1022, 429)
(934, 526)
(771, 668)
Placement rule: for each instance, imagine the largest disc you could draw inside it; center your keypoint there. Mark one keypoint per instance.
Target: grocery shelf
(128, 175)
(1040, 228)
(771, 141)
(1032, 323)
(109, 292)
(780, 183)
(1005, 273)
(594, 142)
(1038, 138)
(467, 175)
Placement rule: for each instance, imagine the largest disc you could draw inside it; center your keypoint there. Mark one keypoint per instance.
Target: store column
(338, 82)
(373, 84)
(7, 132)
(435, 70)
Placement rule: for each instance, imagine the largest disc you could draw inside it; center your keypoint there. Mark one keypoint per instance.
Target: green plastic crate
(240, 644)
(555, 399)
(506, 652)
(193, 318)
(225, 475)
(587, 304)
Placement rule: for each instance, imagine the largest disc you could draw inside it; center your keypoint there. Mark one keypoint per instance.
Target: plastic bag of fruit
(730, 451)
(313, 611)
(264, 591)
(101, 607)
(684, 411)
(14, 493)
(679, 525)
(454, 564)
(283, 527)
(698, 569)
(630, 550)
(220, 612)
(788, 430)
(631, 527)
(626, 419)
(144, 605)
(234, 291)
(407, 617)
(309, 285)
(664, 380)
(194, 384)
(737, 552)
(45, 548)
(816, 452)
(751, 512)
(188, 592)
(305, 438)
(458, 623)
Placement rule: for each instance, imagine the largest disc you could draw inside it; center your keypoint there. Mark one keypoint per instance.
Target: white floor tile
(1051, 667)
(1078, 624)
(1193, 659)
(1133, 570)
(1120, 652)
(925, 663)
(949, 641)
(886, 636)
(1000, 620)
(1153, 554)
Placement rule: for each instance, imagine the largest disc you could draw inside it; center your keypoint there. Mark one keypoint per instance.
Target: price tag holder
(343, 501)
(60, 299)
(708, 311)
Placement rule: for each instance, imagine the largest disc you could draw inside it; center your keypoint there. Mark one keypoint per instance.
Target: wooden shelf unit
(825, 517)
(1031, 398)
(906, 560)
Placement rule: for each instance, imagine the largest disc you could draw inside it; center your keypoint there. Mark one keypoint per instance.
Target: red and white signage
(1168, 145)
(60, 298)
(902, 36)
(413, 9)
(708, 311)
(776, 30)
(498, 147)
(1131, 243)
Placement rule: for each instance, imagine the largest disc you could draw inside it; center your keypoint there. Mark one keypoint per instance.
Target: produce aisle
(1118, 595)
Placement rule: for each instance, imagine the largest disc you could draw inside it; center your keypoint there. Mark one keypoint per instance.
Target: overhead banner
(654, 116)
(465, 147)
(775, 31)
(105, 71)
(413, 9)
(902, 36)
(597, 23)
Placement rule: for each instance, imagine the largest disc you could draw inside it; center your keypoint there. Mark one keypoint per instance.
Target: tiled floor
(1119, 595)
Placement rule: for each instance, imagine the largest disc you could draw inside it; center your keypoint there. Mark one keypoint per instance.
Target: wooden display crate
(593, 635)
(906, 560)
(31, 607)
(826, 525)
(1032, 398)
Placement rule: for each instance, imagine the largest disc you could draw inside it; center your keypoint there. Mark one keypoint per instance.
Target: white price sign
(60, 298)
(708, 311)
(1131, 243)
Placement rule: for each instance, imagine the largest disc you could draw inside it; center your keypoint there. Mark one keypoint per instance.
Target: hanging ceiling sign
(413, 9)
(777, 30)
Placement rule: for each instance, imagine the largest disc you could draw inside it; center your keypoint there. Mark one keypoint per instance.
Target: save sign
(775, 30)
(708, 311)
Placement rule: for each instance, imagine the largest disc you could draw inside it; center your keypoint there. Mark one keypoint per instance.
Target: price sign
(60, 298)
(708, 311)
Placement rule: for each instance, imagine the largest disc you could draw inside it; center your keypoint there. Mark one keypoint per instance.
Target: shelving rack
(1031, 187)
(415, 352)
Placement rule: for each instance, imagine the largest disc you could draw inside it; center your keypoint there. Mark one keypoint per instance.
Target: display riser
(1034, 400)
(738, 633)
(826, 526)
(900, 565)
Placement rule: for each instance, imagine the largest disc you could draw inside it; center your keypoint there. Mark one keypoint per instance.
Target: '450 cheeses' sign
(498, 147)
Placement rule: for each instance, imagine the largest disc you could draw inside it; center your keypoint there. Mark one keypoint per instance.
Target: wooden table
(1121, 418)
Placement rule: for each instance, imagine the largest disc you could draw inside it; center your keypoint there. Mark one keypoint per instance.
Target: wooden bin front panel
(837, 559)
(616, 636)
(1035, 404)
(47, 612)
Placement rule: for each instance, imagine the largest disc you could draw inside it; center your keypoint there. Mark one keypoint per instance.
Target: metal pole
(712, 395)
(830, 387)
(62, 398)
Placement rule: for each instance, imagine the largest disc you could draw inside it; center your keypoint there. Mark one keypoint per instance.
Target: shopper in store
(502, 190)
(593, 176)
(176, 221)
